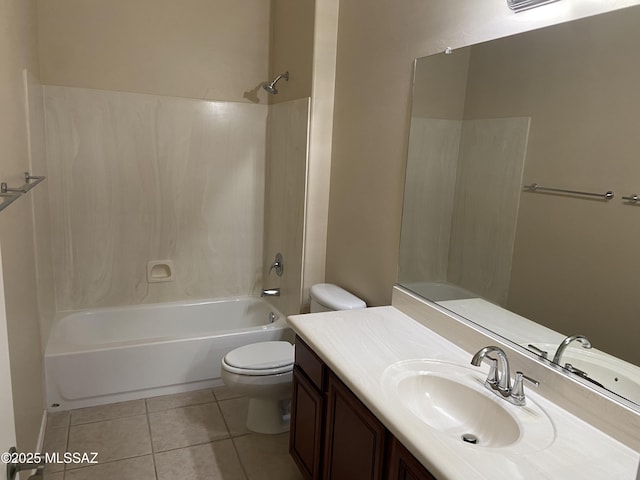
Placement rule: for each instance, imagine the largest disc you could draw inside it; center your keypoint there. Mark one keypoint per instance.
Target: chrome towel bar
(632, 198)
(10, 194)
(534, 187)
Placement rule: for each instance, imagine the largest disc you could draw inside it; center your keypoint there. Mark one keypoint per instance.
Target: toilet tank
(326, 297)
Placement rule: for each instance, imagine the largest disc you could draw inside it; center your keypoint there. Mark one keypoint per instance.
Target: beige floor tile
(139, 468)
(166, 402)
(55, 441)
(108, 412)
(234, 412)
(58, 419)
(114, 439)
(266, 457)
(223, 393)
(186, 426)
(211, 461)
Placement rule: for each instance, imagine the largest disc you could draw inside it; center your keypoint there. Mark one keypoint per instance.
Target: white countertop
(359, 345)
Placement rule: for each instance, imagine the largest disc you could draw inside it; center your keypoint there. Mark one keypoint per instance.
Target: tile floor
(189, 436)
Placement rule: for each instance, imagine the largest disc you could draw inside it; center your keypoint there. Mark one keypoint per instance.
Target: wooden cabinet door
(354, 437)
(403, 465)
(307, 419)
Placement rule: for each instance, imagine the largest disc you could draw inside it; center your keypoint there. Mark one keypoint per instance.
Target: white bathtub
(115, 354)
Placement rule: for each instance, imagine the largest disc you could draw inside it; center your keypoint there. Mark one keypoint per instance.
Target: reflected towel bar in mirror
(534, 187)
(632, 198)
(10, 195)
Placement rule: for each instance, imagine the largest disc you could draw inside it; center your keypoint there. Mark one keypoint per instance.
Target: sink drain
(470, 438)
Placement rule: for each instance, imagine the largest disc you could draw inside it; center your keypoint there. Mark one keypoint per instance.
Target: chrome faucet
(499, 379)
(565, 343)
(270, 292)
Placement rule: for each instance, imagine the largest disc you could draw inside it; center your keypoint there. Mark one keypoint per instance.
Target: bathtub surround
(135, 178)
(287, 139)
(476, 178)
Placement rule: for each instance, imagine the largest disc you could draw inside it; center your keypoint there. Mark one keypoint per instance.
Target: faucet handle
(492, 377)
(538, 351)
(277, 264)
(517, 392)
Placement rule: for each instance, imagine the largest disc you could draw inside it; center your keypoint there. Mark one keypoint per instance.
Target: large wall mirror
(557, 107)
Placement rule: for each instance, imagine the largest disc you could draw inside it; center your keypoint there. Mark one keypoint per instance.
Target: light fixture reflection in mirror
(556, 106)
(521, 5)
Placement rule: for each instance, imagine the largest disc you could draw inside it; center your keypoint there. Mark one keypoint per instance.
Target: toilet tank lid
(335, 298)
(261, 355)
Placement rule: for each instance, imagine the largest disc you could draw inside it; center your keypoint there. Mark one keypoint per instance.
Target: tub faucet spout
(270, 292)
(565, 343)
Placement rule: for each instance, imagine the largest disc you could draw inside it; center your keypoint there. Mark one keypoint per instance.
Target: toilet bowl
(263, 371)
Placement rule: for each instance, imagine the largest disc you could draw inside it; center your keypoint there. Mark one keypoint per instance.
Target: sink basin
(455, 408)
(451, 399)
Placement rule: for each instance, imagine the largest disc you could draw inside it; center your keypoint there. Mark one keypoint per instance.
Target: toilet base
(268, 415)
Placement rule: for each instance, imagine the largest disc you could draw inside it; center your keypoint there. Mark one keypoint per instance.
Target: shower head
(271, 87)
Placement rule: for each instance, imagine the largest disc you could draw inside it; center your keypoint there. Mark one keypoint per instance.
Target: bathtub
(115, 354)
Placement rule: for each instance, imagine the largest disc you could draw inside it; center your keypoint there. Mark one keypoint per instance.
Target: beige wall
(291, 48)
(18, 50)
(325, 44)
(377, 43)
(447, 77)
(208, 49)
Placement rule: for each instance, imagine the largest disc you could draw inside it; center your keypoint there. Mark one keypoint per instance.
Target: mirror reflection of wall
(557, 107)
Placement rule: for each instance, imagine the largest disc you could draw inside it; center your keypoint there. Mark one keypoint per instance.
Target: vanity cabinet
(308, 411)
(333, 434)
(402, 465)
(354, 437)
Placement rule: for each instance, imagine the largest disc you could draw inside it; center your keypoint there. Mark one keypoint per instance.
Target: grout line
(115, 460)
(194, 445)
(153, 452)
(66, 444)
(211, 400)
(181, 406)
(235, 447)
(108, 419)
(105, 419)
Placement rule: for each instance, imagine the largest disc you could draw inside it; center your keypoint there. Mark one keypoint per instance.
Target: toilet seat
(262, 358)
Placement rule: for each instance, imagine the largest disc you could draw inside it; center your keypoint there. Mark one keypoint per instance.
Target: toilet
(263, 371)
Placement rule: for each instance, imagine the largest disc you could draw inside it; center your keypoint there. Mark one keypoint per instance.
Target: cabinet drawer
(313, 367)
